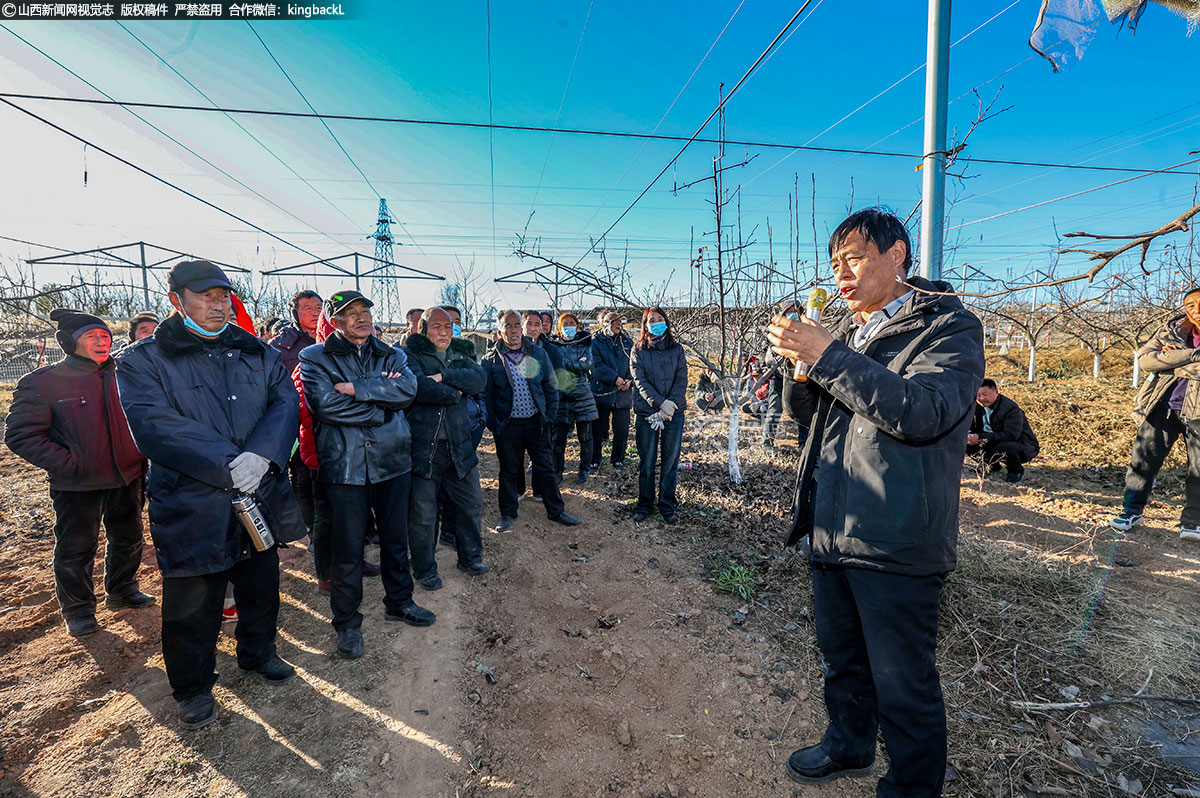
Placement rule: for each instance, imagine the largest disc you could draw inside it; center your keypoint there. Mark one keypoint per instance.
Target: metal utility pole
(384, 286)
(933, 193)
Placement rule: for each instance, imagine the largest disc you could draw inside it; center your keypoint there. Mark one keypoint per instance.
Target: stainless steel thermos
(252, 518)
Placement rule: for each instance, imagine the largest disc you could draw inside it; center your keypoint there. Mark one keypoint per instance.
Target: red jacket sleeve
(308, 440)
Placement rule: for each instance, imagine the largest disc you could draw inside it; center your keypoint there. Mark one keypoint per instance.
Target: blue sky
(1117, 107)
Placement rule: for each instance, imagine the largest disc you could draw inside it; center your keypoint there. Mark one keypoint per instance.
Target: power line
(33, 243)
(491, 131)
(155, 127)
(153, 176)
(241, 127)
(578, 131)
(703, 125)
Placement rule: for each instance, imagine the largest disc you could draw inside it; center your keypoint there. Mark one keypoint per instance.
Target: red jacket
(308, 441)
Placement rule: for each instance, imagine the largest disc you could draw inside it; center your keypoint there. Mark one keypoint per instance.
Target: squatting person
(1166, 407)
(1000, 432)
(212, 408)
(67, 419)
(357, 388)
(889, 391)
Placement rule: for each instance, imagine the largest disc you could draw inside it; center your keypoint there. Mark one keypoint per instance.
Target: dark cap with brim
(344, 299)
(197, 276)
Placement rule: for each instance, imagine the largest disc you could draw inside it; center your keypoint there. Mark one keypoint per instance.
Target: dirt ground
(602, 659)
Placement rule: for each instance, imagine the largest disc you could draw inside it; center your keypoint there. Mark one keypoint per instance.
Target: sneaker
(1126, 521)
(197, 711)
(1189, 533)
(229, 614)
(350, 644)
(274, 671)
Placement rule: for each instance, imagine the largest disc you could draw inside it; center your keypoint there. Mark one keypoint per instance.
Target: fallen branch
(1127, 698)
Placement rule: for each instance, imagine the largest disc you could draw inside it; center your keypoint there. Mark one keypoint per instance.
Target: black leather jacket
(361, 439)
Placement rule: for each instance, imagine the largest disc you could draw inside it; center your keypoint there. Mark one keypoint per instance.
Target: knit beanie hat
(145, 315)
(72, 324)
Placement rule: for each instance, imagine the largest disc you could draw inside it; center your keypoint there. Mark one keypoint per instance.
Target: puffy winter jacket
(193, 406)
(610, 360)
(289, 342)
(442, 407)
(307, 441)
(659, 373)
(364, 438)
(575, 400)
(67, 419)
(1165, 366)
(543, 387)
(879, 474)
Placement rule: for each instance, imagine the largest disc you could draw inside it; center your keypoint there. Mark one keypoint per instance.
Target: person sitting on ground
(1166, 407)
(443, 445)
(67, 419)
(356, 387)
(1000, 432)
(708, 393)
(522, 401)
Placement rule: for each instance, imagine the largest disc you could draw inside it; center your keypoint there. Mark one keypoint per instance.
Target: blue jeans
(650, 443)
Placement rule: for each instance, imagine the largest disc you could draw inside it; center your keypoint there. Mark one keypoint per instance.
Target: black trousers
(353, 505)
(1011, 453)
(77, 517)
(521, 436)
(464, 498)
(191, 621)
(1157, 433)
(319, 531)
(302, 484)
(561, 433)
(619, 419)
(878, 634)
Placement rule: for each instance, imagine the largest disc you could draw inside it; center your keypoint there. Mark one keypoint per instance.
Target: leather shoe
(813, 766)
(582, 478)
(325, 586)
(134, 601)
(566, 519)
(640, 516)
(273, 671)
(411, 614)
(83, 625)
(350, 644)
(476, 568)
(506, 522)
(431, 582)
(197, 711)
(670, 518)
(370, 569)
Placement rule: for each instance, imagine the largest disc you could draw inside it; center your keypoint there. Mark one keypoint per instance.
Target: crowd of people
(328, 432)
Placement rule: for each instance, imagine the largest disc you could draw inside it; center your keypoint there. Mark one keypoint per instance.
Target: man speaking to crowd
(890, 394)
(212, 408)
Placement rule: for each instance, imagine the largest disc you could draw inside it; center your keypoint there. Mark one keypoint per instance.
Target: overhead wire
(491, 131)
(753, 143)
(155, 177)
(234, 120)
(111, 101)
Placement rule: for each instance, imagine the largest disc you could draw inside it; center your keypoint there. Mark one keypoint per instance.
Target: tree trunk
(735, 466)
(1032, 360)
(1095, 366)
(1137, 370)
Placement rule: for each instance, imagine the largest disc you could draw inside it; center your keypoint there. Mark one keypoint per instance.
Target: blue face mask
(793, 316)
(568, 333)
(198, 330)
(457, 330)
(658, 329)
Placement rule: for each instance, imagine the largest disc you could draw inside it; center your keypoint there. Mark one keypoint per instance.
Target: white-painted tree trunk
(1032, 360)
(735, 466)
(1137, 370)
(1095, 366)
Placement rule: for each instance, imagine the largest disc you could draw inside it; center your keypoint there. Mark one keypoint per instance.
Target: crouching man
(357, 387)
(212, 408)
(67, 419)
(443, 447)
(1001, 432)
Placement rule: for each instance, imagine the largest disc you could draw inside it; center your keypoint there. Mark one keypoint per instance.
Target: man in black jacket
(612, 385)
(522, 403)
(357, 388)
(214, 411)
(443, 449)
(1001, 432)
(889, 394)
(300, 333)
(67, 419)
